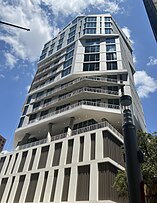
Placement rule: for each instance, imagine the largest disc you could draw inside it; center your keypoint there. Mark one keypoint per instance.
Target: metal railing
(74, 93)
(77, 81)
(89, 103)
(74, 132)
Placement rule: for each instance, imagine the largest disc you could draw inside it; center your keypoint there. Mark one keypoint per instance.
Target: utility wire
(23, 28)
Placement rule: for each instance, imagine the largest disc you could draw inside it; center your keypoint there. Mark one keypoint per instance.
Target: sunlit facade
(69, 139)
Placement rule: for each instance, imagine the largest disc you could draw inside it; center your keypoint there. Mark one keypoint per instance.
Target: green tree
(148, 145)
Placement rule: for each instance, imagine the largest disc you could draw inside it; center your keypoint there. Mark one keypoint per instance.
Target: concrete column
(49, 134)
(71, 125)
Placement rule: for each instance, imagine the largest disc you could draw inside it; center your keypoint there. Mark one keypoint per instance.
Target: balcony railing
(101, 79)
(89, 103)
(74, 93)
(74, 132)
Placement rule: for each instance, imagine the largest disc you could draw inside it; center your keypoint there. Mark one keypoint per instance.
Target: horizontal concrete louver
(57, 153)
(32, 159)
(32, 187)
(43, 157)
(2, 187)
(83, 183)
(24, 156)
(19, 189)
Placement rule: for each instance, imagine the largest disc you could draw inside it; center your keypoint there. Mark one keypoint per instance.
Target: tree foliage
(148, 145)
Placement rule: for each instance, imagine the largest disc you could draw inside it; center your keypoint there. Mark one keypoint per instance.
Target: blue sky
(20, 49)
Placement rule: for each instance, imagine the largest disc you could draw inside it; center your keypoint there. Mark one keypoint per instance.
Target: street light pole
(136, 193)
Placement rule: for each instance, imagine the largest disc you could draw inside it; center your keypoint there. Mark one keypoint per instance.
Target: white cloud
(2, 76)
(42, 17)
(152, 61)
(145, 84)
(127, 32)
(16, 78)
(10, 60)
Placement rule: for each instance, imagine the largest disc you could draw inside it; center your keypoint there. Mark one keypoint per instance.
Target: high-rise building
(2, 142)
(151, 8)
(68, 142)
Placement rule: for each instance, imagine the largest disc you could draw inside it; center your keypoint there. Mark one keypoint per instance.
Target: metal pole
(9, 24)
(131, 154)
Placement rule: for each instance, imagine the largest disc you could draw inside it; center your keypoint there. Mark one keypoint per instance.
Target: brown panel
(43, 157)
(8, 164)
(24, 155)
(70, 151)
(32, 159)
(14, 162)
(57, 153)
(2, 187)
(32, 187)
(112, 147)
(66, 184)
(2, 160)
(54, 185)
(44, 186)
(92, 155)
(19, 189)
(81, 149)
(83, 183)
(11, 186)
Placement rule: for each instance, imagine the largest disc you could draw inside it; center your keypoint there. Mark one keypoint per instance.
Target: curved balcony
(74, 132)
(100, 79)
(76, 92)
(88, 103)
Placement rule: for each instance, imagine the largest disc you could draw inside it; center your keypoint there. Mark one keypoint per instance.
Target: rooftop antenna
(13, 25)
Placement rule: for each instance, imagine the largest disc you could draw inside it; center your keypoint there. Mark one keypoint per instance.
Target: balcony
(74, 132)
(76, 92)
(73, 106)
(100, 79)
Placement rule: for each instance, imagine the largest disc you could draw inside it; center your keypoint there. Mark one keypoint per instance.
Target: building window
(21, 122)
(90, 19)
(16, 156)
(71, 34)
(70, 48)
(91, 57)
(89, 31)
(66, 184)
(66, 72)
(44, 113)
(90, 66)
(32, 159)
(44, 186)
(43, 157)
(70, 40)
(108, 31)
(90, 49)
(69, 55)
(113, 101)
(70, 151)
(83, 183)
(2, 160)
(107, 19)
(57, 153)
(54, 185)
(107, 24)
(19, 188)
(92, 155)
(110, 40)
(111, 65)
(59, 47)
(32, 187)
(90, 24)
(81, 149)
(24, 156)
(92, 41)
(11, 187)
(111, 56)
(111, 48)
